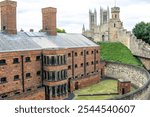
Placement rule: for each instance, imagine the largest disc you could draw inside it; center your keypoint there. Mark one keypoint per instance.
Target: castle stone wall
(123, 36)
(146, 63)
(139, 47)
(138, 76)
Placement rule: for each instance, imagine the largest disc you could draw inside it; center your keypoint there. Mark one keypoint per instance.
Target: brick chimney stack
(49, 20)
(8, 16)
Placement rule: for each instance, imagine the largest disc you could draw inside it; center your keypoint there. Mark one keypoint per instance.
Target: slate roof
(40, 40)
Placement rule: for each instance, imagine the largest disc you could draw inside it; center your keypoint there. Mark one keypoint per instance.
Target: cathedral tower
(8, 16)
(92, 19)
(108, 14)
(104, 16)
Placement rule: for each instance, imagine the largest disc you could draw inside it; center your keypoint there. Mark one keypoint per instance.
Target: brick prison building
(43, 65)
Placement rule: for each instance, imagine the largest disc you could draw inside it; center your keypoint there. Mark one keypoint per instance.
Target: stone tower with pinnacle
(104, 16)
(92, 19)
(115, 23)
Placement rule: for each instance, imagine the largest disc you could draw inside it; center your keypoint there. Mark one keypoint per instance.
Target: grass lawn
(117, 52)
(105, 86)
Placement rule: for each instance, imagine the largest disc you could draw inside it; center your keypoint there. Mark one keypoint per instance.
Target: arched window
(114, 25)
(103, 37)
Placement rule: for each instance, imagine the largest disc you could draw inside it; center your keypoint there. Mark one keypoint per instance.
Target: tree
(61, 30)
(58, 30)
(142, 31)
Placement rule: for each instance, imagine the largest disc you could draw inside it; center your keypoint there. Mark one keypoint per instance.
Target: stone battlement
(115, 9)
(139, 47)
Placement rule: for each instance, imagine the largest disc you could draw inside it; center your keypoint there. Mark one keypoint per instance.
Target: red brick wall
(34, 95)
(32, 67)
(8, 16)
(126, 86)
(84, 82)
(49, 20)
(80, 59)
(10, 70)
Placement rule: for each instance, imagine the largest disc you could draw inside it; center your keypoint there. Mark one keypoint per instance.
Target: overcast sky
(72, 14)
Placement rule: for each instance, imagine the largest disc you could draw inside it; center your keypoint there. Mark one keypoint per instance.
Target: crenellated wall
(138, 47)
(124, 37)
(137, 75)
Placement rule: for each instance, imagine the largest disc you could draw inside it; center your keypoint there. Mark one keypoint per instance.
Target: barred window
(2, 62)
(38, 73)
(76, 54)
(28, 59)
(3, 80)
(87, 63)
(38, 58)
(81, 64)
(69, 54)
(76, 65)
(16, 77)
(28, 75)
(15, 60)
(69, 67)
(44, 60)
(97, 51)
(53, 60)
(81, 53)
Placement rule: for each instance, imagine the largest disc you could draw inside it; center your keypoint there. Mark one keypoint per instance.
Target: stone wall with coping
(137, 75)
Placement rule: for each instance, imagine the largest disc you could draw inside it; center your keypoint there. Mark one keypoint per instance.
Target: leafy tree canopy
(142, 31)
(58, 30)
(61, 30)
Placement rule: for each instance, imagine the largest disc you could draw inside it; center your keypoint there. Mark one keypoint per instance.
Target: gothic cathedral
(108, 28)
